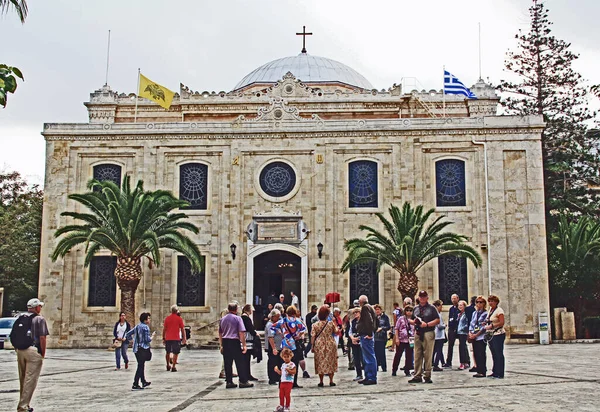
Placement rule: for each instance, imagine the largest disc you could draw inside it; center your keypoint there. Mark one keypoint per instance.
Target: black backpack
(20, 335)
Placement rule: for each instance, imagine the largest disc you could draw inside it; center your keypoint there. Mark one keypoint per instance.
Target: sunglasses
(479, 301)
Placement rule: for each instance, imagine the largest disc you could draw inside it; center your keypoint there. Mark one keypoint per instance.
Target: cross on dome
(304, 34)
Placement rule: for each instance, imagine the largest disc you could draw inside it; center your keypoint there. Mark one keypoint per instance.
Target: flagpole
(136, 97)
(107, 59)
(444, 91)
(480, 51)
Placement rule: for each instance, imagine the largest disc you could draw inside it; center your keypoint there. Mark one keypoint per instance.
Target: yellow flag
(155, 92)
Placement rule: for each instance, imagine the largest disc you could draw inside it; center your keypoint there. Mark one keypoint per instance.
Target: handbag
(117, 344)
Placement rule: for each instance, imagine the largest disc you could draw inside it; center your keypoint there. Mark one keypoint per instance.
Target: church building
(281, 170)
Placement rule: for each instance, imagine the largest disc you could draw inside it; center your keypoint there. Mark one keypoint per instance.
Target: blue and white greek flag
(454, 86)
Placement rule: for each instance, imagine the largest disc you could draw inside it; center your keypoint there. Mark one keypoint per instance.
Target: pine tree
(547, 85)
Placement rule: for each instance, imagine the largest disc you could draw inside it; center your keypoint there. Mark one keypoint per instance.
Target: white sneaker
(357, 378)
(286, 409)
(279, 409)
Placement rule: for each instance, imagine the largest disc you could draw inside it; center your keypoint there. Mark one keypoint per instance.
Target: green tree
(546, 84)
(574, 261)
(407, 244)
(131, 225)
(20, 231)
(8, 74)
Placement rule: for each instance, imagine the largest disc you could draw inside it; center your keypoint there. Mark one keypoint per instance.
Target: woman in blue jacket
(476, 335)
(381, 337)
(119, 331)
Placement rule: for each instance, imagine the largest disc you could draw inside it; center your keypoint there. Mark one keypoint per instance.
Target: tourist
(339, 322)
(31, 350)
(120, 343)
(266, 313)
(295, 301)
(280, 308)
(247, 311)
(404, 341)
(282, 300)
(469, 312)
(462, 333)
(355, 347)
(452, 327)
(495, 325)
(476, 335)
(440, 338)
(173, 337)
(308, 322)
(347, 347)
(323, 346)
(293, 330)
(274, 338)
(425, 318)
(232, 342)
(395, 314)
(141, 348)
(381, 337)
(366, 327)
(287, 371)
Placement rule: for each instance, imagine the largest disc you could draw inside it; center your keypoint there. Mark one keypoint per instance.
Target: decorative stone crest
(278, 111)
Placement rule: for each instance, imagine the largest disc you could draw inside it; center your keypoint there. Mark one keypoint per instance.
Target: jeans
(438, 352)
(480, 357)
(139, 373)
(403, 347)
(497, 349)
(122, 351)
(463, 349)
(452, 336)
(369, 360)
(380, 354)
(357, 356)
(232, 352)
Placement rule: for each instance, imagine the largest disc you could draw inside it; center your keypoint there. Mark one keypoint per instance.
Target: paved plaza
(538, 378)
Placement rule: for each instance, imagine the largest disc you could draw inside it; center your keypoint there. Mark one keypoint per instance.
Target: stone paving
(538, 378)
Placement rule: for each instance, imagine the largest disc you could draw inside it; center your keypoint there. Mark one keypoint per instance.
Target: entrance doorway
(276, 272)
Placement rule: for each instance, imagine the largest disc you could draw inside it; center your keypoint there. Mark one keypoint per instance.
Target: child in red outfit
(287, 372)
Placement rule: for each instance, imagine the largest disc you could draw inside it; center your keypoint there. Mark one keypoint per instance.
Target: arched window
(450, 183)
(108, 172)
(452, 275)
(190, 285)
(364, 280)
(102, 285)
(362, 184)
(193, 185)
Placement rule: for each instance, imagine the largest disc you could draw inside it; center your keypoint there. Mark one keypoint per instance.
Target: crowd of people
(418, 333)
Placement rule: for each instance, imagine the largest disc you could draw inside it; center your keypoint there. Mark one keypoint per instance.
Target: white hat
(34, 303)
(282, 296)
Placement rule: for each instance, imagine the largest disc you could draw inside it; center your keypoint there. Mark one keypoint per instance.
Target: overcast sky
(211, 45)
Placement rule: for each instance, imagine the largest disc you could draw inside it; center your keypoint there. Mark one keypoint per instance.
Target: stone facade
(317, 130)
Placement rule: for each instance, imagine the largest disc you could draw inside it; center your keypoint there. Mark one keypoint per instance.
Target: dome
(308, 69)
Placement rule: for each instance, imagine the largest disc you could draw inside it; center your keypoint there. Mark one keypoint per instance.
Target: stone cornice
(308, 128)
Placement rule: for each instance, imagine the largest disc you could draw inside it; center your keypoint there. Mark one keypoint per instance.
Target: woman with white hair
(274, 338)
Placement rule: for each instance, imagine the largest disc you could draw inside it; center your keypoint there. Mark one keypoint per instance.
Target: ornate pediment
(278, 111)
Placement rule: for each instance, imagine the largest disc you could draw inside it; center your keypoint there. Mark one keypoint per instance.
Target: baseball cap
(423, 293)
(282, 296)
(34, 303)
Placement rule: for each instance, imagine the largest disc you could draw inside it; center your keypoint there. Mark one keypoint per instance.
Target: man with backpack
(28, 336)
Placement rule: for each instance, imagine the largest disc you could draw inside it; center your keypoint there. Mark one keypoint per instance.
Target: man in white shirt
(295, 301)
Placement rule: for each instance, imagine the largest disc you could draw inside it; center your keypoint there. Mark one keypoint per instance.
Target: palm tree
(20, 7)
(574, 262)
(407, 244)
(131, 225)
